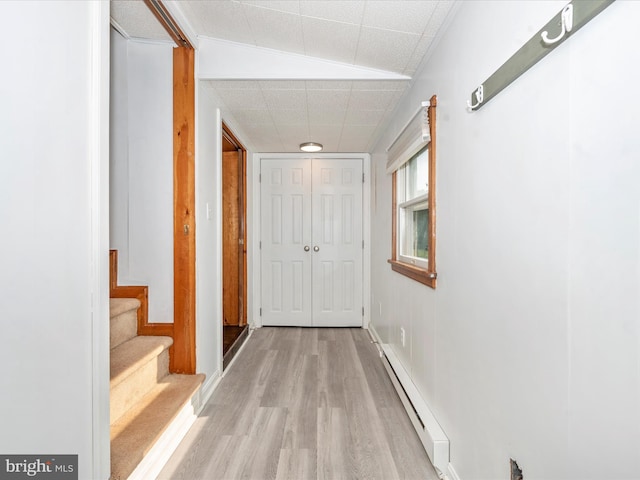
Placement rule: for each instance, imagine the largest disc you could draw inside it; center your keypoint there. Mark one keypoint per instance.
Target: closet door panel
(337, 242)
(285, 231)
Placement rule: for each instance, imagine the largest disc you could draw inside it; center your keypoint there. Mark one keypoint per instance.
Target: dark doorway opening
(234, 240)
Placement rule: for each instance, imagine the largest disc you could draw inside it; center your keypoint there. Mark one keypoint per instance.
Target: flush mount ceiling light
(310, 147)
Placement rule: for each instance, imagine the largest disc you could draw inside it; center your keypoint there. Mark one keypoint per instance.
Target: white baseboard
(451, 473)
(373, 333)
(207, 390)
(433, 438)
(235, 357)
(154, 461)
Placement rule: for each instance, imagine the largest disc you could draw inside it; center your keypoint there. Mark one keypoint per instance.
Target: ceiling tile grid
(385, 49)
(348, 11)
(137, 21)
(275, 29)
(409, 16)
(220, 19)
(331, 40)
(253, 117)
(326, 116)
(284, 99)
(278, 115)
(289, 6)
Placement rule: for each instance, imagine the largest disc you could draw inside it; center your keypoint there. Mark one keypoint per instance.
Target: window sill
(415, 273)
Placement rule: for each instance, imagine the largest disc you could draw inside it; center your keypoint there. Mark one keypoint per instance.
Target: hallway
(303, 403)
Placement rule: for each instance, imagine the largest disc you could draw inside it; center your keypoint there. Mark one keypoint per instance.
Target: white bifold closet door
(311, 242)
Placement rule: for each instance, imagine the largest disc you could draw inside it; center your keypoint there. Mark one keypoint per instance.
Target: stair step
(124, 320)
(136, 367)
(133, 435)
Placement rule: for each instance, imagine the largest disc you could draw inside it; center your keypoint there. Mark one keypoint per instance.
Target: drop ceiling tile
(243, 99)
(233, 84)
(385, 49)
(212, 93)
(331, 40)
(372, 99)
(272, 140)
(387, 115)
(362, 131)
(293, 134)
(439, 16)
(335, 99)
(282, 85)
(343, 115)
(358, 139)
(411, 16)
(290, 6)
(418, 55)
(289, 117)
(285, 99)
(137, 20)
(392, 85)
(363, 117)
(275, 29)
(353, 146)
(253, 117)
(349, 11)
(271, 147)
(326, 115)
(219, 19)
(328, 84)
(325, 133)
(262, 132)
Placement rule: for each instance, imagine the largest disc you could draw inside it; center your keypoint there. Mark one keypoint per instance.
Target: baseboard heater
(431, 435)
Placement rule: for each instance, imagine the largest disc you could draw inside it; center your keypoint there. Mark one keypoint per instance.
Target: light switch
(208, 211)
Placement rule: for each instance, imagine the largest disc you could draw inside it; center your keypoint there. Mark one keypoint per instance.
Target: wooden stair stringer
(141, 292)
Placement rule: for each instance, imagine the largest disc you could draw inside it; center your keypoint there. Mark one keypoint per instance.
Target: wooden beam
(184, 244)
(168, 22)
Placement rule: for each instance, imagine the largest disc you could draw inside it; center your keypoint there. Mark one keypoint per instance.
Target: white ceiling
(278, 115)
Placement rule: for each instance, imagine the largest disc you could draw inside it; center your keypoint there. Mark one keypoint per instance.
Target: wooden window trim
(426, 276)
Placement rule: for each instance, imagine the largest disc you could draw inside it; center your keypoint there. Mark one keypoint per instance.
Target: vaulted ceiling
(378, 44)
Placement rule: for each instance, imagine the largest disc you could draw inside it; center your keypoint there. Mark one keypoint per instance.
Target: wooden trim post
(184, 236)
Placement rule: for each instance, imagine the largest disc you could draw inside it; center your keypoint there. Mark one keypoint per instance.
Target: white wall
(210, 114)
(119, 152)
(54, 243)
(208, 239)
(142, 169)
(528, 348)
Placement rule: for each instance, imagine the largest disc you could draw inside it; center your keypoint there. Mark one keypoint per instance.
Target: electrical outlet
(402, 336)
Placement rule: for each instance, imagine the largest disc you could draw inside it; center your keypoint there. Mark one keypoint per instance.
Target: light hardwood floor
(303, 403)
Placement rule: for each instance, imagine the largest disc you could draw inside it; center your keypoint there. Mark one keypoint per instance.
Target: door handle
(306, 248)
(316, 248)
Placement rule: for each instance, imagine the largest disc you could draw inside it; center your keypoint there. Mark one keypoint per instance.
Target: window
(413, 239)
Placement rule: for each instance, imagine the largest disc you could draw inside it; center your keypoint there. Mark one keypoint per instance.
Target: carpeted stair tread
(118, 306)
(133, 435)
(123, 325)
(129, 356)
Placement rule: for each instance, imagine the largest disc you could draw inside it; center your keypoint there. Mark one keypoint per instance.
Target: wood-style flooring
(303, 403)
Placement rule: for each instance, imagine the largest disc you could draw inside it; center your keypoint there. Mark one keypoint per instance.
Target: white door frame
(98, 158)
(253, 218)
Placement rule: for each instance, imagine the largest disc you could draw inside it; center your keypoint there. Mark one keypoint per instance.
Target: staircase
(145, 398)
